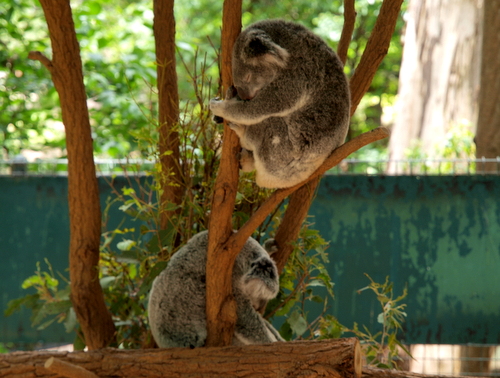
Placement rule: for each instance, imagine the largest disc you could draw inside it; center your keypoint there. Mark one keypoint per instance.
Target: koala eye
(248, 77)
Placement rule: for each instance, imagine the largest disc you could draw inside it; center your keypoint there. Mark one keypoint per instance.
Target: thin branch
(375, 51)
(347, 30)
(300, 201)
(37, 55)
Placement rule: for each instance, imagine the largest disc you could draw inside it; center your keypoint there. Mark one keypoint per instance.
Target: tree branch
(237, 240)
(221, 306)
(37, 55)
(347, 30)
(300, 201)
(83, 191)
(375, 51)
(168, 107)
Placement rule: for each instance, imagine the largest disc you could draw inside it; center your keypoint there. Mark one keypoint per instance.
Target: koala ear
(261, 49)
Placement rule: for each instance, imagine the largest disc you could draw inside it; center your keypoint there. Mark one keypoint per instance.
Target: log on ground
(325, 358)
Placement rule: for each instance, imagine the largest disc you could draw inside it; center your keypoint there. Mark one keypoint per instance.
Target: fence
(19, 166)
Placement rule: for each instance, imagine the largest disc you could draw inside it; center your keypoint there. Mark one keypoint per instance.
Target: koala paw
(218, 120)
(217, 107)
(271, 246)
(247, 161)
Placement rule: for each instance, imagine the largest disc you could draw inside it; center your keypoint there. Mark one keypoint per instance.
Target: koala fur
(292, 107)
(176, 306)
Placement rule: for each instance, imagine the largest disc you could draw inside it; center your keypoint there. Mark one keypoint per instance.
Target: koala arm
(269, 102)
(251, 327)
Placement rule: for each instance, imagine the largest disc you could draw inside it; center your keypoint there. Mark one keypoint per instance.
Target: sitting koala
(292, 106)
(177, 300)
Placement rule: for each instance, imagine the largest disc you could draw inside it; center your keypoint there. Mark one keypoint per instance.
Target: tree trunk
(326, 358)
(439, 77)
(221, 306)
(83, 192)
(488, 124)
(475, 359)
(168, 109)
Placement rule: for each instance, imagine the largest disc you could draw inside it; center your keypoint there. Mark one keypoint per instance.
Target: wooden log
(324, 358)
(66, 369)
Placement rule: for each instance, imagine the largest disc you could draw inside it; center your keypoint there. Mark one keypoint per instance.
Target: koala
(176, 306)
(291, 104)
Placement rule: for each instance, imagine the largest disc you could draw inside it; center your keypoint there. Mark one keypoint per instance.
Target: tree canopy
(117, 49)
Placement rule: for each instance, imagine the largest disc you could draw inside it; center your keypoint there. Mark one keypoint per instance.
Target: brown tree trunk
(326, 358)
(488, 124)
(439, 77)
(221, 307)
(375, 51)
(83, 192)
(168, 109)
(475, 359)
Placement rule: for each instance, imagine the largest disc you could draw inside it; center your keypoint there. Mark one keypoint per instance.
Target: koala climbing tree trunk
(83, 193)
(223, 245)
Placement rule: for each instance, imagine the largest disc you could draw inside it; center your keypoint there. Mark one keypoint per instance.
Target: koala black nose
(245, 94)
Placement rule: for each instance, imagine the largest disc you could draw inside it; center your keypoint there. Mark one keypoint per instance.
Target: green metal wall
(440, 235)
(34, 224)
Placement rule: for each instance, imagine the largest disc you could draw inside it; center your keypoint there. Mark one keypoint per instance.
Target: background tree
(439, 79)
(488, 124)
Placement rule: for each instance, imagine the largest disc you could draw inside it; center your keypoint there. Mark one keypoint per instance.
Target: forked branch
(237, 240)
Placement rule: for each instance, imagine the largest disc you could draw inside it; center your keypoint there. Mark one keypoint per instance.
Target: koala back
(297, 106)
(176, 306)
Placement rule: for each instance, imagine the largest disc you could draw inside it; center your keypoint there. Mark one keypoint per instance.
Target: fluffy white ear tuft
(277, 57)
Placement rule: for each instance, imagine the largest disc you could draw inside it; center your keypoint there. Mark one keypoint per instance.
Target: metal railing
(415, 167)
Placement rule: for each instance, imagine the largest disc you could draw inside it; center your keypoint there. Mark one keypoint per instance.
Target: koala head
(257, 61)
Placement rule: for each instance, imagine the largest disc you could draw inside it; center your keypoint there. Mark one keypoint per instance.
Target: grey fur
(177, 300)
(293, 104)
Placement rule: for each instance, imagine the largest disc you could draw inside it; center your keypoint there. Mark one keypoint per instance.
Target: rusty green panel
(439, 235)
(34, 224)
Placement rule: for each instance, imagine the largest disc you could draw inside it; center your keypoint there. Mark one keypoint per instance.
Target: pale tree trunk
(488, 124)
(439, 77)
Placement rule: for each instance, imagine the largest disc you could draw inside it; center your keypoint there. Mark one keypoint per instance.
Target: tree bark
(168, 109)
(83, 192)
(376, 49)
(439, 77)
(326, 358)
(488, 124)
(221, 306)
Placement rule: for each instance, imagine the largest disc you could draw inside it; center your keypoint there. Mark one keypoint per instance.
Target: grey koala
(176, 306)
(292, 106)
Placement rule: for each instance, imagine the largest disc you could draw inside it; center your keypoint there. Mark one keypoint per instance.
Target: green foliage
(117, 49)
(50, 303)
(305, 279)
(383, 348)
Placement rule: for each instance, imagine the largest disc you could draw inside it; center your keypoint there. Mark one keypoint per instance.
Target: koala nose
(245, 94)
